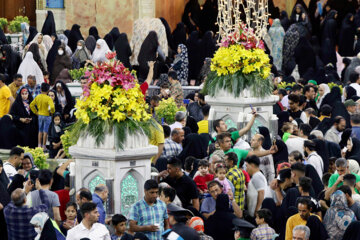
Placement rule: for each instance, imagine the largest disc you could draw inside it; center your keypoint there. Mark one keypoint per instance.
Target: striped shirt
(237, 178)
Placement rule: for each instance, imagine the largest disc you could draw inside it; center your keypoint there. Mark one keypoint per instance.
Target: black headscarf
(109, 41)
(208, 45)
(123, 50)
(10, 135)
(347, 36)
(179, 35)
(34, 48)
(282, 155)
(67, 33)
(168, 34)
(49, 25)
(3, 39)
(147, 53)
(274, 11)
(192, 124)
(52, 55)
(32, 34)
(352, 231)
(193, 145)
(317, 229)
(304, 56)
(345, 137)
(329, 26)
(193, 45)
(294, 13)
(350, 92)
(267, 139)
(115, 33)
(74, 37)
(332, 97)
(69, 99)
(328, 53)
(90, 43)
(11, 63)
(284, 19)
(94, 32)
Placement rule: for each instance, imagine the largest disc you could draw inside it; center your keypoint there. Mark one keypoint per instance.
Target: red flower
(110, 55)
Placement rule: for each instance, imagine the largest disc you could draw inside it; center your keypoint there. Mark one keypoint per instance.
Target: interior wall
(172, 11)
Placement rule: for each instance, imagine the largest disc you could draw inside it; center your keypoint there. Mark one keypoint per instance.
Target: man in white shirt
(16, 157)
(180, 121)
(296, 144)
(335, 132)
(257, 185)
(313, 158)
(89, 228)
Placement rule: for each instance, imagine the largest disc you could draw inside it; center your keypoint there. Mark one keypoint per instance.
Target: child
(204, 177)
(220, 172)
(71, 219)
(167, 195)
(43, 106)
(263, 231)
(287, 129)
(55, 131)
(119, 223)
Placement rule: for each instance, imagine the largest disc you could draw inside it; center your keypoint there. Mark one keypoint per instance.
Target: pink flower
(110, 55)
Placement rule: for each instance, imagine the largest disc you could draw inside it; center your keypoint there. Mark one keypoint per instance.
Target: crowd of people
(213, 182)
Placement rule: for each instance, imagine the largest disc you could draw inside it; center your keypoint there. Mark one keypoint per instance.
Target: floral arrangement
(331, 85)
(15, 25)
(112, 101)
(39, 156)
(284, 85)
(240, 63)
(76, 74)
(167, 109)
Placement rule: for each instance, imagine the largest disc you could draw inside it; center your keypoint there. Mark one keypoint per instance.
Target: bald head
(257, 141)
(18, 197)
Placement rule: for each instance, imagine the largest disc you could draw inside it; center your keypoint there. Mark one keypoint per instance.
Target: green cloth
(286, 136)
(234, 136)
(242, 154)
(335, 176)
(313, 82)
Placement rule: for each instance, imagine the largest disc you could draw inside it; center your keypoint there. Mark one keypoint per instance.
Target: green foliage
(331, 85)
(3, 23)
(284, 85)
(167, 109)
(39, 156)
(76, 74)
(66, 142)
(236, 83)
(15, 25)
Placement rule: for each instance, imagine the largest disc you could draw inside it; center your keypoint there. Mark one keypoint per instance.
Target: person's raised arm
(248, 125)
(151, 72)
(63, 167)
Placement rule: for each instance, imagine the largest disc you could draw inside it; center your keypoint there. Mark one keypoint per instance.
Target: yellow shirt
(203, 126)
(14, 88)
(5, 94)
(292, 222)
(42, 103)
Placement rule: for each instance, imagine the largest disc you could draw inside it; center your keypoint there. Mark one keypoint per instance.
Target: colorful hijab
(183, 70)
(277, 34)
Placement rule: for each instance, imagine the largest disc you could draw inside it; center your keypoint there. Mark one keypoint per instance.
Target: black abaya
(11, 64)
(352, 231)
(3, 39)
(10, 136)
(179, 35)
(147, 53)
(115, 33)
(74, 37)
(304, 56)
(317, 229)
(347, 36)
(109, 41)
(49, 25)
(284, 19)
(328, 28)
(193, 45)
(168, 34)
(32, 34)
(94, 32)
(90, 43)
(194, 145)
(52, 55)
(123, 50)
(209, 46)
(328, 53)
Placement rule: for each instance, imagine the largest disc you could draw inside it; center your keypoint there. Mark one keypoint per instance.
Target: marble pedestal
(236, 112)
(123, 171)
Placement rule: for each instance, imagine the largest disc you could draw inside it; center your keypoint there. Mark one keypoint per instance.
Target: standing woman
(193, 45)
(81, 55)
(65, 99)
(179, 34)
(25, 120)
(74, 37)
(99, 54)
(109, 41)
(42, 49)
(52, 55)
(115, 33)
(94, 32)
(64, 40)
(49, 24)
(277, 34)
(62, 60)
(48, 42)
(34, 48)
(181, 65)
(32, 34)
(123, 50)
(148, 52)
(328, 27)
(347, 36)
(29, 67)
(90, 43)
(11, 64)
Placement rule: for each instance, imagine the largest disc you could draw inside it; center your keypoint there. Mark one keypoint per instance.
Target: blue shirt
(144, 215)
(126, 236)
(100, 206)
(355, 132)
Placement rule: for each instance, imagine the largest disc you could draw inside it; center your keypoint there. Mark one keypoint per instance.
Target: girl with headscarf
(181, 65)
(90, 44)
(347, 36)
(205, 70)
(277, 34)
(74, 37)
(62, 60)
(64, 40)
(109, 41)
(81, 55)
(65, 99)
(25, 120)
(115, 33)
(32, 34)
(53, 96)
(338, 216)
(94, 32)
(10, 62)
(352, 144)
(30, 67)
(56, 129)
(48, 42)
(304, 56)
(52, 55)
(49, 24)
(123, 50)
(148, 52)
(46, 228)
(99, 54)
(323, 91)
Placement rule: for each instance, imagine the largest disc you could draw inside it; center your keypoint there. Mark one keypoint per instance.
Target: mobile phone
(252, 109)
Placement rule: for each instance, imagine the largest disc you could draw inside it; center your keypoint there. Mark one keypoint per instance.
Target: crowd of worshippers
(303, 183)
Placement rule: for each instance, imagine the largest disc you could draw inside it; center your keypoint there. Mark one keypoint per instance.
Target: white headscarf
(99, 54)
(42, 48)
(29, 67)
(39, 220)
(326, 91)
(47, 42)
